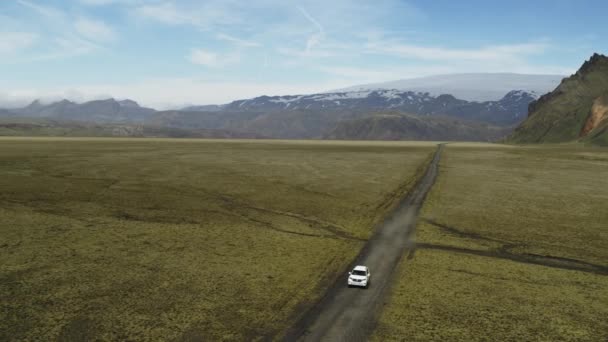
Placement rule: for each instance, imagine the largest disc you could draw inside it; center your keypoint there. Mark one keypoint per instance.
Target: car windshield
(359, 273)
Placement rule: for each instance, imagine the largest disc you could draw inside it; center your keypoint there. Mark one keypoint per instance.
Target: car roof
(360, 268)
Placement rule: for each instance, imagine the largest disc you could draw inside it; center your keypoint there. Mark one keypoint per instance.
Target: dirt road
(349, 314)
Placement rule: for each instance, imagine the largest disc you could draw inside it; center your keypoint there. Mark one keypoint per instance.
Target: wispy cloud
(206, 15)
(13, 42)
(45, 11)
(62, 34)
(237, 41)
(68, 47)
(315, 38)
(212, 59)
(437, 53)
(96, 30)
(364, 74)
(107, 2)
(166, 13)
(370, 74)
(304, 54)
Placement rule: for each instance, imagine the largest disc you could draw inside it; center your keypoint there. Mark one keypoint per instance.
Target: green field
(143, 239)
(512, 246)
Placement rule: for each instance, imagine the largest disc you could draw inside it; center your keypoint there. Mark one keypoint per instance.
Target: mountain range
(510, 109)
(576, 110)
(97, 111)
(324, 115)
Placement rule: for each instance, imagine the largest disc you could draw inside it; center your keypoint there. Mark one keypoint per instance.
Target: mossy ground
(152, 239)
(513, 246)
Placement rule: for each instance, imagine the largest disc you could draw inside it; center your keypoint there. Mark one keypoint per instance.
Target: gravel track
(349, 314)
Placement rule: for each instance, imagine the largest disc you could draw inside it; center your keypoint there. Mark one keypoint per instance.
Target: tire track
(525, 258)
(504, 252)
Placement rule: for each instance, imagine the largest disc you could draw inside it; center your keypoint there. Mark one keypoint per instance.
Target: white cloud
(63, 47)
(237, 41)
(365, 74)
(48, 12)
(93, 29)
(206, 15)
(97, 2)
(72, 46)
(106, 2)
(315, 38)
(61, 35)
(494, 53)
(371, 74)
(202, 57)
(166, 13)
(8, 21)
(13, 42)
(212, 59)
(304, 54)
(165, 93)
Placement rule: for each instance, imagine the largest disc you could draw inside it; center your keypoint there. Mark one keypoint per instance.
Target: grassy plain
(144, 239)
(512, 246)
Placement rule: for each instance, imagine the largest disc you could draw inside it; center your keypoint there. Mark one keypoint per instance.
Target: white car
(359, 276)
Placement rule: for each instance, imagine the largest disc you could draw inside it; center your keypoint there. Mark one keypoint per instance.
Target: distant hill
(298, 124)
(576, 110)
(303, 124)
(470, 87)
(203, 108)
(396, 126)
(53, 127)
(6, 113)
(99, 111)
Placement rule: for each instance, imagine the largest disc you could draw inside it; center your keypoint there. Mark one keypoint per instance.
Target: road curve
(349, 314)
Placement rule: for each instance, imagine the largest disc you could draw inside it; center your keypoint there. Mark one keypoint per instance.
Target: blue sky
(166, 53)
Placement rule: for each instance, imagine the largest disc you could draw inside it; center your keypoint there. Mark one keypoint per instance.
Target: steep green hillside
(574, 110)
(597, 124)
(599, 136)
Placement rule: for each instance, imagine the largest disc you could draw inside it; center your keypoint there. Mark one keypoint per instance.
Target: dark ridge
(536, 104)
(584, 69)
(595, 59)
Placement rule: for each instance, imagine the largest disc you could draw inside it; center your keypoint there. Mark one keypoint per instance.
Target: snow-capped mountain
(470, 87)
(510, 109)
(369, 99)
